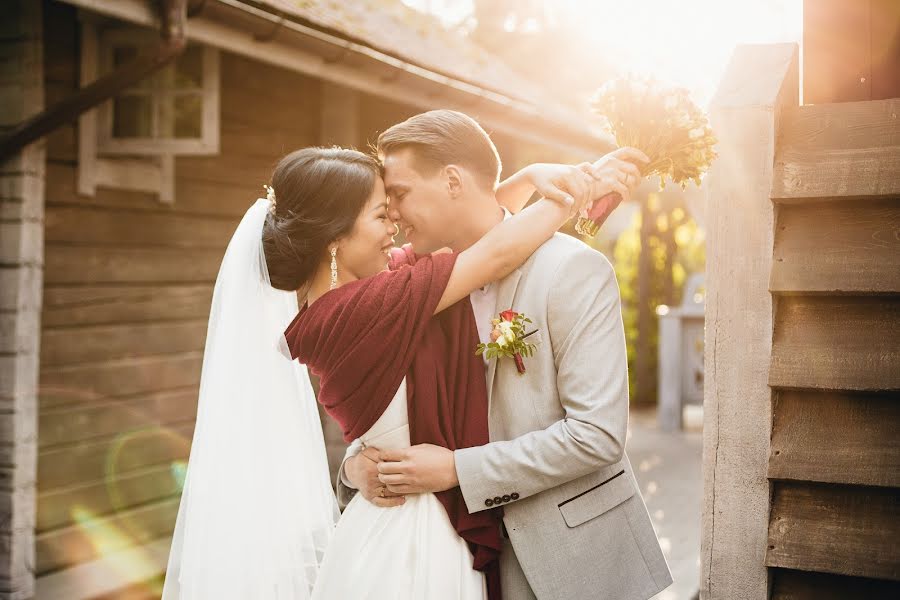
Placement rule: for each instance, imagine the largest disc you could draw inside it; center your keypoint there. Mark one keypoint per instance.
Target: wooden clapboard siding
(71, 424)
(844, 150)
(90, 462)
(838, 248)
(104, 264)
(92, 382)
(102, 498)
(92, 537)
(836, 437)
(79, 224)
(847, 530)
(847, 125)
(124, 304)
(194, 197)
(96, 343)
(834, 460)
(836, 343)
(803, 585)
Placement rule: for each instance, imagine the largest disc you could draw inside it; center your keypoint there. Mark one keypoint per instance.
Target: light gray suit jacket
(556, 463)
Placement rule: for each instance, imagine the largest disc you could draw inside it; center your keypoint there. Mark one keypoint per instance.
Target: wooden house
(801, 455)
(114, 214)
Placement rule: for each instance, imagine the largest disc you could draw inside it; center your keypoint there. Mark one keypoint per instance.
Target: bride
(257, 515)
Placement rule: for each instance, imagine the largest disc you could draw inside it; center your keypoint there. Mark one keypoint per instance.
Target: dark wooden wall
(851, 50)
(127, 288)
(834, 524)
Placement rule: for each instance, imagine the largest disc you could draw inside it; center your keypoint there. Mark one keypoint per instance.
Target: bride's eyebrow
(382, 206)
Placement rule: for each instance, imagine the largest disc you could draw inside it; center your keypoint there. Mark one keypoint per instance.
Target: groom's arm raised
(588, 340)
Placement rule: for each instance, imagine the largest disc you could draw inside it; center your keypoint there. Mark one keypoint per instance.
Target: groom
(575, 525)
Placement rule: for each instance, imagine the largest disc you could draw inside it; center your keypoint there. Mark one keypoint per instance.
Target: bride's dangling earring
(333, 267)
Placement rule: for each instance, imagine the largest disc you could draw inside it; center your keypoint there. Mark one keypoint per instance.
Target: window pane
(189, 68)
(189, 116)
(122, 55)
(132, 117)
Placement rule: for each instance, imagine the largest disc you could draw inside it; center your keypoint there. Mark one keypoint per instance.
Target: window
(174, 111)
(130, 142)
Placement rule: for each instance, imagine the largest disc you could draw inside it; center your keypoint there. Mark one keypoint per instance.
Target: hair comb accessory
(270, 196)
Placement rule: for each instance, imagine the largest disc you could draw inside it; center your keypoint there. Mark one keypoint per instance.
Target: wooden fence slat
(804, 585)
(79, 423)
(837, 248)
(845, 125)
(836, 343)
(55, 509)
(839, 150)
(845, 530)
(90, 462)
(827, 173)
(93, 537)
(99, 381)
(836, 438)
(98, 343)
(108, 304)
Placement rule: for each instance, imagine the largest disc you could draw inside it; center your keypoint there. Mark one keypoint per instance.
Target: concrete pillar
(21, 278)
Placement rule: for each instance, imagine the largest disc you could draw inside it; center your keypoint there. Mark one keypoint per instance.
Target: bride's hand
(563, 183)
(618, 171)
(362, 471)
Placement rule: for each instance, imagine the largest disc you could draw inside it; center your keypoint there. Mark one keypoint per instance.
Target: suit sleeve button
(488, 502)
(514, 495)
(506, 498)
(498, 500)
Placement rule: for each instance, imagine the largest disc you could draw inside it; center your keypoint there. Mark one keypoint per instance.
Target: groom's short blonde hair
(445, 137)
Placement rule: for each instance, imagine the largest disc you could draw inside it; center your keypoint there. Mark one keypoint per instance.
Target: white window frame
(146, 165)
(206, 144)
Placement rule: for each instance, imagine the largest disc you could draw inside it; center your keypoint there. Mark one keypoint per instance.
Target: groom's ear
(454, 179)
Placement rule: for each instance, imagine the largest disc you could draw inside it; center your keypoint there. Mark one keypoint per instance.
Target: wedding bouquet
(663, 123)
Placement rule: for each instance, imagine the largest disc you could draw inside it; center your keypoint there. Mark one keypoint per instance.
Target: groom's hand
(418, 469)
(362, 471)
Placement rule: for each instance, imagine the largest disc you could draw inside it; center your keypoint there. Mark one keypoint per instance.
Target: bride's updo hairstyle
(319, 194)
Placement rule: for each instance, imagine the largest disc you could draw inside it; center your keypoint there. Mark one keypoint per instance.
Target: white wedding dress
(408, 552)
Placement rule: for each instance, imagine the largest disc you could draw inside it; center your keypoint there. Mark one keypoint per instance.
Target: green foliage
(689, 257)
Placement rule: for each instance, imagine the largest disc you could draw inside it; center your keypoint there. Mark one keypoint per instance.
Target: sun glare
(685, 42)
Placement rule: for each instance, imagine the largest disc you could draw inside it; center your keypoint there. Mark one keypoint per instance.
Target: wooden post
(21, 257)
(760, 82)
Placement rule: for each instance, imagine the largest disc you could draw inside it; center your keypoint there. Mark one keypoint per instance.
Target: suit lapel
(505, 294)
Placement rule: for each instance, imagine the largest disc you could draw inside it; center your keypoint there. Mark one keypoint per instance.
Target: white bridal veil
(257, 510)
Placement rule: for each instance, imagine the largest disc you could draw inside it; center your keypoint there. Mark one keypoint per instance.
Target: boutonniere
(508, 338)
